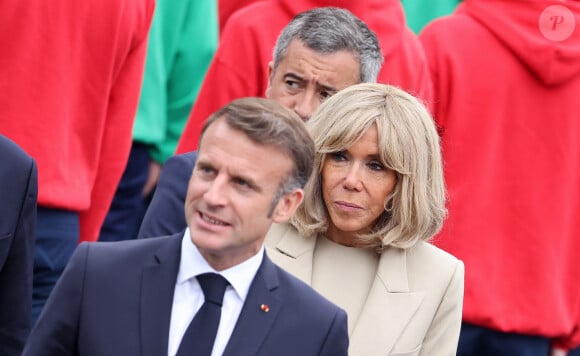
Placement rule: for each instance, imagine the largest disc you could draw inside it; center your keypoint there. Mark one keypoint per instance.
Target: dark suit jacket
(115, 299)
(165, 215)
(18, 192)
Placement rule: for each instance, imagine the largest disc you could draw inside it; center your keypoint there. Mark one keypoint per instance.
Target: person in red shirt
(506, 78)
(227, 8)
(70, 75)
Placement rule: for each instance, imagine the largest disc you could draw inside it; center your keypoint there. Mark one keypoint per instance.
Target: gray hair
(329, 30)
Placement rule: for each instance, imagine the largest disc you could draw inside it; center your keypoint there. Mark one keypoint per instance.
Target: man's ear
(287, 205)
(270, 78)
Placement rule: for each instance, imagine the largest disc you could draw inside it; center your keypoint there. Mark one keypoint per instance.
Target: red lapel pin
(265, 308)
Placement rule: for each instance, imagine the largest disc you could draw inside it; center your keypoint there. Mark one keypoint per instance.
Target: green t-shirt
(182, 41)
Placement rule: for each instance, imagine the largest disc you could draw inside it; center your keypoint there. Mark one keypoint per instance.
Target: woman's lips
(344, 205)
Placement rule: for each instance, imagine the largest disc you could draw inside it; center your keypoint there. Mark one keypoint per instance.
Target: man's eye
(292, 84)
(204, 170)
(325, 94)
(242, 183)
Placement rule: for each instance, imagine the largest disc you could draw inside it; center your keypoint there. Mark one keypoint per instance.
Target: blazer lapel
(254, 322)
(389, 306)
(158, 283)
(290, 251)
(388, 309)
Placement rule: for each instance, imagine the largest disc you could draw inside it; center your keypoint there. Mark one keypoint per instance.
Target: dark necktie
(200, 334)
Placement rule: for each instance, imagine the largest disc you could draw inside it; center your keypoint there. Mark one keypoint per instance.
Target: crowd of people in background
(452, 125)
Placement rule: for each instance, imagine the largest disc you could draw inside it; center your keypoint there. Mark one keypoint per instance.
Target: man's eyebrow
(321, 86)
(202, 164)
(251, 182)
(294, 76)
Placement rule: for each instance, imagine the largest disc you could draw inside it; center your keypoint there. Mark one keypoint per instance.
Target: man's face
(304, 78)
(228, 207)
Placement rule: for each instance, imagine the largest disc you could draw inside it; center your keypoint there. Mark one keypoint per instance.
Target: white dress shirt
(188, 296)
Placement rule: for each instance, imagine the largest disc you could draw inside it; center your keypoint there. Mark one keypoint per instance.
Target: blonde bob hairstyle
(408, 145)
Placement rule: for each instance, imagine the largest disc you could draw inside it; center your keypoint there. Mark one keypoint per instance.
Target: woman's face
(355, 185)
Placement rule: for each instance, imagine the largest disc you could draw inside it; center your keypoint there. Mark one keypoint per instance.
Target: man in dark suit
(18, 191)
(138, 297)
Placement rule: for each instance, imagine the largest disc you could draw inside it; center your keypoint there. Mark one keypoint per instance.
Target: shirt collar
(193, 264)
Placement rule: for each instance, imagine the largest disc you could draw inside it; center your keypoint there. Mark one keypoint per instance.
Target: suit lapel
(254, 322)
(388, 309)
(290, 251)
(158, 283)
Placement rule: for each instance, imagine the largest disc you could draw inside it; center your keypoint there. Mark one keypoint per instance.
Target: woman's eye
(376, 166)
(338, 156)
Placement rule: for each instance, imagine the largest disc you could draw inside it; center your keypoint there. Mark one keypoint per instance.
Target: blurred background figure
(70, 78)
(18, 192)
(240, 65)
(506, 77)
(182, 41)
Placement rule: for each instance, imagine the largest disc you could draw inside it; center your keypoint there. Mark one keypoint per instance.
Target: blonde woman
(360, 237)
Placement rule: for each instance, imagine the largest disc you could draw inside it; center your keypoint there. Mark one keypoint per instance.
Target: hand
(152, 178)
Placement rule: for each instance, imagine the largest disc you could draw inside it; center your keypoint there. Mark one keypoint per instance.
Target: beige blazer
(413, 306)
